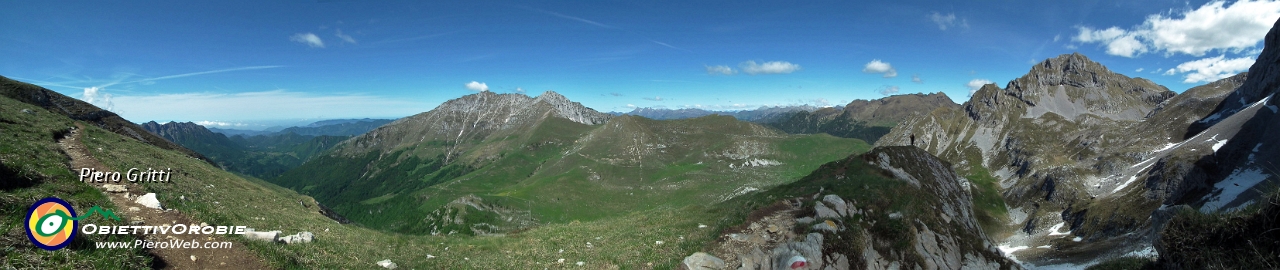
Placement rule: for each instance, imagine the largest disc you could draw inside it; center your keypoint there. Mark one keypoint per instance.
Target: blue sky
(247, 64)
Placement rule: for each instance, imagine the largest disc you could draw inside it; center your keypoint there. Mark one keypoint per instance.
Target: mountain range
(1070, 165)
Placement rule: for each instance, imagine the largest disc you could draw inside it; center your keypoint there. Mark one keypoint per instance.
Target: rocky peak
(894, 109)
(1071, 86)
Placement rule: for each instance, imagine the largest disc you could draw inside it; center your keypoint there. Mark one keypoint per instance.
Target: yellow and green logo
(51, 223)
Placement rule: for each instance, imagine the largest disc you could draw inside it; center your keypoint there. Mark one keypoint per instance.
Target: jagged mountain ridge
(471, 119)
(1097, 152)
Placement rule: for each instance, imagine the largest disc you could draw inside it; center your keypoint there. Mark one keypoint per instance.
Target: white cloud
(720, 70)
(1213, 26)
(1212, 69)
(1138, 70)
(915, 78)
(946, 21)
(888, 90)
(820, 102)
(309, 39)
(656, 98)
(976, 84)
(771, 67)
(220, 124)
(1057, 37)
(1118, 41)
(519, 90)
(477, 86)
(876, 66)
(344, 37)
(95, 96)
(264, 105)
(629, 105)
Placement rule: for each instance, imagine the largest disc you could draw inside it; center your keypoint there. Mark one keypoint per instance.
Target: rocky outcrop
(840, 233)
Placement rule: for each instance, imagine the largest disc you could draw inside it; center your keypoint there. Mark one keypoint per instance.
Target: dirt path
(235, 257)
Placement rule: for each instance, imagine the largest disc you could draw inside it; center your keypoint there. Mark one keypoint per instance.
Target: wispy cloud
(948, 21)
(310, 39)
(656, 98)
(664, 44)
(203, 73)
(915, 78)
(344, 37)
(570, 17)
(720, 70)
(263, 105)
(888, 90)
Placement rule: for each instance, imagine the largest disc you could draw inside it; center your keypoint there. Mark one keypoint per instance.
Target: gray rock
(701, 261)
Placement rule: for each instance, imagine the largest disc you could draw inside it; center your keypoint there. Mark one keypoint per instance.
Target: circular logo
(51, 223)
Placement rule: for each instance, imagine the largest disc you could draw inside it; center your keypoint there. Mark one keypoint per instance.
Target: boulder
(837, 204)
(262, 236)
(701, 261)
(114, 188)
(824, 211)
(149, 200)
(300, 238)
(387, 264)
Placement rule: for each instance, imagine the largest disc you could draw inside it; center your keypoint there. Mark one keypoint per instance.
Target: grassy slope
(32, 167)
(563, 172)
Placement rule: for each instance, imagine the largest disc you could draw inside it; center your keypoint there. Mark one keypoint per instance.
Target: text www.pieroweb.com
(172, 243)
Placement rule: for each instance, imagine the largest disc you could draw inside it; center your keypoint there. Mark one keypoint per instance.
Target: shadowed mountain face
(80, 110)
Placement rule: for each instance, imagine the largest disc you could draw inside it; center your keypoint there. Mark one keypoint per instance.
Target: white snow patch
(1008, 251)
(1166, 147)
(1053, 231)
(1232, 187)
(1219, 145)
(1045, 246)
(1077, 239)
